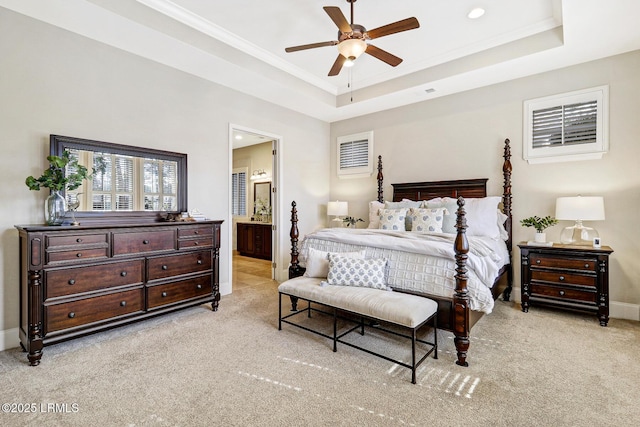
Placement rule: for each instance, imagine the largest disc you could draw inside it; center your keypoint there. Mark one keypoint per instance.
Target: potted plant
(349, 221)
(57, 178)
(540, 224)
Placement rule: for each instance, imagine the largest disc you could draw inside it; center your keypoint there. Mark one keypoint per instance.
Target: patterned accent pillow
(367, 273)
(405, 203)
(317, 263)
(427, 220)
(392, 219)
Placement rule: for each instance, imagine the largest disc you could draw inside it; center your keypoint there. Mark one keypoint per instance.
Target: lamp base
(578, 234)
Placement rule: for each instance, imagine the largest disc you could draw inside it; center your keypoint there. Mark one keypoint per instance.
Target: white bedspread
(421, 262)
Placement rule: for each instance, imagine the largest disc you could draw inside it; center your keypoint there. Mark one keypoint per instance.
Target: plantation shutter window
(571, 126)
(239, 193)
(355, 155)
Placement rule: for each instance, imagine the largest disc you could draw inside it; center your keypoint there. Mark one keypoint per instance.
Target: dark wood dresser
(79, 280)
(254, 239)
(575, 277)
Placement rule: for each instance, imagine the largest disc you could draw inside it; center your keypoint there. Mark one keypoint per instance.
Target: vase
(540, 238)
(54, 208)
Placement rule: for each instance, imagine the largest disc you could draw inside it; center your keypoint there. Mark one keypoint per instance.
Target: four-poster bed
(455, 313)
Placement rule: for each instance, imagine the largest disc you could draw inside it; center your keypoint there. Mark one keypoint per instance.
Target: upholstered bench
(408, 311)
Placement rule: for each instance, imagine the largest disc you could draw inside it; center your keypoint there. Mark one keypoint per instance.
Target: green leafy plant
(351, 220)
(55, 177)
(540, 224)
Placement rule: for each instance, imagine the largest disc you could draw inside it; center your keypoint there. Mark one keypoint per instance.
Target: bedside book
(532, 243)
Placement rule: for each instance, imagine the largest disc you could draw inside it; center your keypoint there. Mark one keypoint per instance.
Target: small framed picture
(596, 242)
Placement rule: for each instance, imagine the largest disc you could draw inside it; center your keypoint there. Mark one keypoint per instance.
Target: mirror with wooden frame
(129, 183)
(262, 199)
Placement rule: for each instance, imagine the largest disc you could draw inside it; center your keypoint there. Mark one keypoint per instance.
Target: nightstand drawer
(563, 293)
(585, 264)
(563, 278)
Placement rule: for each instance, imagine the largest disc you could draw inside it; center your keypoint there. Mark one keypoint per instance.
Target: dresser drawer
(144, 241)
(564, 278)
(77, 254)
(195, 231)
(175, 265)
(584, 264)
(89, 310)
(76, 240)
(69, 281)
(198, 242)
(182, 290)
(563, 293)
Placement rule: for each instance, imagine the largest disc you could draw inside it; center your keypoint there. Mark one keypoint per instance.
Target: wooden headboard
(429, 190)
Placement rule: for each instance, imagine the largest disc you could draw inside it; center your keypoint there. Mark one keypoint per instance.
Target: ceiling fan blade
(338, 18)
(396, 27)
(310, 46)
(337, 66)
(383, 55)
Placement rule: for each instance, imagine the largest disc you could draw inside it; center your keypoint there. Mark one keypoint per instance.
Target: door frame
(276, 200)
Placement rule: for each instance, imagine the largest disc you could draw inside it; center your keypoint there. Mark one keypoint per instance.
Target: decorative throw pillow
(368, 273)
(317, 263)
(392, 219)
(451, 207)
(427, 220)
(405, 203)
(374, 218)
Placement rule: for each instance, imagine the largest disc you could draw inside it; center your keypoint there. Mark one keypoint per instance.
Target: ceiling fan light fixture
(352, 48)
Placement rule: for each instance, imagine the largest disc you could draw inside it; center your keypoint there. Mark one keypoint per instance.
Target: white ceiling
(240, 43)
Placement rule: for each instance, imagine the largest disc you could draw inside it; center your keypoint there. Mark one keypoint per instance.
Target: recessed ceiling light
(475, 13)
(238, 136)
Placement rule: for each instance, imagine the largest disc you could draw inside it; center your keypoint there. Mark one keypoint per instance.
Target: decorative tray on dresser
(79, 280)
(567, 276)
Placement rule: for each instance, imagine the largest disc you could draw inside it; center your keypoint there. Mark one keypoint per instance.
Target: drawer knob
(199, 287)
(196, 232)
(145, 242)
(71, 282)
(72, 315)
(586, 266)
(561, 278)
(199, 262)
(164, 294)
(164, 267)
(561, 293)
(123, 303)
(79, 240)
(79, 254)
(124, 273)
(537, 261)
(196, 243)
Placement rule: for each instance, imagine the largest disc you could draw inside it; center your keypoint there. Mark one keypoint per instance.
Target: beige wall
(56, 82)
(460, 136)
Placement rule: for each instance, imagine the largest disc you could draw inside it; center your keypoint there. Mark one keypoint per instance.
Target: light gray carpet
(234, 368)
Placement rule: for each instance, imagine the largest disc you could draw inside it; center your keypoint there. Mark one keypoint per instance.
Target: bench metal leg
(335, 330)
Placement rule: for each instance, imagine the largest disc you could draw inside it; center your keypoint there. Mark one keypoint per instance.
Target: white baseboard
(617, 310)
(9, 339)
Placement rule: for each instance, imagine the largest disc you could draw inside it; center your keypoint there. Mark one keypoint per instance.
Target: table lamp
(579, 209)
(337, 209)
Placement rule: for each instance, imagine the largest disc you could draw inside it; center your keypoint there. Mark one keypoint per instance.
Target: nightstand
(566, 276)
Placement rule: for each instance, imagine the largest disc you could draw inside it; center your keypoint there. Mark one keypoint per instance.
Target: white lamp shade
(580, 208)
(352, 48)
(337, 208)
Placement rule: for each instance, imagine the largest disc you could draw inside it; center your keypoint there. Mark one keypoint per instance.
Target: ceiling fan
(352, 39)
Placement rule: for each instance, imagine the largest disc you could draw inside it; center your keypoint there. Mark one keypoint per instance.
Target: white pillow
(504, 234)
(392, 219)
(317, 263)
(367, 273)
(374, 219)
(482, 216)
(427, 220)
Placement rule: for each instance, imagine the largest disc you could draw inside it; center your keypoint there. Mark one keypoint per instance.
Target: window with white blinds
(355, 155)
(571, 126)
(239, 193)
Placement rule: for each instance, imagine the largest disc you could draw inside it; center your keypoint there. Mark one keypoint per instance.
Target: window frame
(570, 152)
(366, 170)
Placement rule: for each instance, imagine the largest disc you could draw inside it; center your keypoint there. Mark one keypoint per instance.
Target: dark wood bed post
(506, 203)
(294, 268)
(380, 179)
(461, 326)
